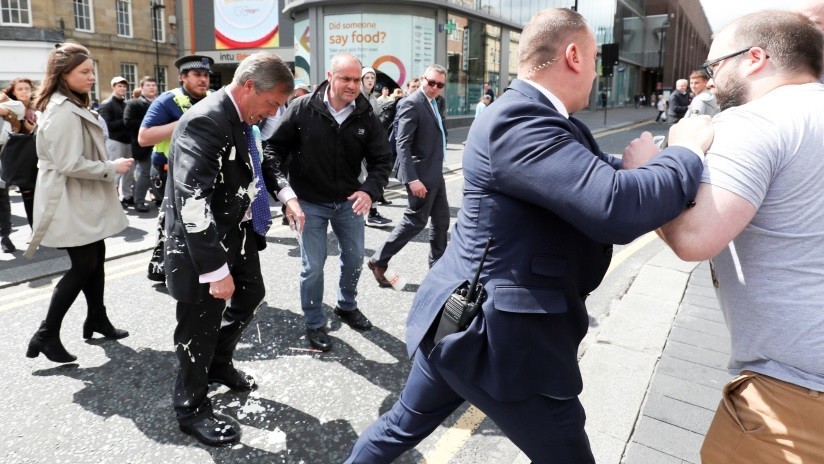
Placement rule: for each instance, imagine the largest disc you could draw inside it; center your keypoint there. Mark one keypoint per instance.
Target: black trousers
(206, 335)
(5, 213)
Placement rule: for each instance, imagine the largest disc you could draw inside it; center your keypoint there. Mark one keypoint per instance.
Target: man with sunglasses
(758, 218)
(421, 147)
(541, 206)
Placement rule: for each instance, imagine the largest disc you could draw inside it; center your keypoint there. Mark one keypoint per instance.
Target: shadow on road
(137, 385)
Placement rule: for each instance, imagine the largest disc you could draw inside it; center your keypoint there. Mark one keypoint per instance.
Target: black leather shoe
(233, 378)
(319, 339)
(141, 207)
(212, 431)
(156, 273)
(6, 245)
(378, 271)
(354, 318)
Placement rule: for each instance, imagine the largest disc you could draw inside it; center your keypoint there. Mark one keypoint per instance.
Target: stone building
(129, 38)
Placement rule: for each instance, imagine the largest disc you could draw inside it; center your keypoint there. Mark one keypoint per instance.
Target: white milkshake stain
(195, 214)
(185, 347)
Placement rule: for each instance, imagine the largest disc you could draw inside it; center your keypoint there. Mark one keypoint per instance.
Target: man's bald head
(546, 36)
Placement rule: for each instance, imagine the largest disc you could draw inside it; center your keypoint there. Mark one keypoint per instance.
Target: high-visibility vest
(184, 103)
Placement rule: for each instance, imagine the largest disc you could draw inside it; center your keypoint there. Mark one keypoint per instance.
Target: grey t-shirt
(771, 277)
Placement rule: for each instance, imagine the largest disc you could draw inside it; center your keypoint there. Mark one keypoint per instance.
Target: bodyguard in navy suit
(553, 203)
(213, 237)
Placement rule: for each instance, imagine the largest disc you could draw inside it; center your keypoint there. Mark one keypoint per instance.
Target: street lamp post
(156, 36)
(664, 26)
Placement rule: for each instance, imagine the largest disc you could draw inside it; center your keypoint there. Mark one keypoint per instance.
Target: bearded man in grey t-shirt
(759, 216)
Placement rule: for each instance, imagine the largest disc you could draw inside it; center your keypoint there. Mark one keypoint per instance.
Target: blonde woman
(75, 204)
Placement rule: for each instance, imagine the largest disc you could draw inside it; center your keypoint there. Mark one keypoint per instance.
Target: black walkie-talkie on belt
(463, 304)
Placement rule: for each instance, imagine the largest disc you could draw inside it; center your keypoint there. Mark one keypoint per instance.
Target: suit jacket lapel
(424, 100)
(241, 146)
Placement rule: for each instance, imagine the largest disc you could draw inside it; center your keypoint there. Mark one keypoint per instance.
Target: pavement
(653, 369)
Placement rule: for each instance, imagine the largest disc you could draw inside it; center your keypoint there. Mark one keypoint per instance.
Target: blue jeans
(348, 228)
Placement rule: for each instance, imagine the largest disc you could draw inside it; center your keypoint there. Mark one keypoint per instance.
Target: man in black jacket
(132, 116)
(679, 101)
(119, 144)
(323, 139)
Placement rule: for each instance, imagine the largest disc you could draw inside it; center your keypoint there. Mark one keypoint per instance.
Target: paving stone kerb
(653, 379)
(618, 368)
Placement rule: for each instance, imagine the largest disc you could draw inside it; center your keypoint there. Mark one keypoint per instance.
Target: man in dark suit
(421, 144)
(216, 219)
(551, 203)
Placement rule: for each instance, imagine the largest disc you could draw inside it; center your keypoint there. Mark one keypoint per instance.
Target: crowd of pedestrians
(734, 189)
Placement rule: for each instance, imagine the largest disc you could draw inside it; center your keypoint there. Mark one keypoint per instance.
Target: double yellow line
(43, 292)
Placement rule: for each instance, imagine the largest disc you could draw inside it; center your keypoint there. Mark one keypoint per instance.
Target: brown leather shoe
(378, 271)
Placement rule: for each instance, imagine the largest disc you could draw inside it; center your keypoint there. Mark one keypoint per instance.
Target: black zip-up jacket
(133, 115)
(111, 110)
(323, 157)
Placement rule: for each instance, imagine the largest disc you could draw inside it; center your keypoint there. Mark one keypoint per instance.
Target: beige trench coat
(75, 201)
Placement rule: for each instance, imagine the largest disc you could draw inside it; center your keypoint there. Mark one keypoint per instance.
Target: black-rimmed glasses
(432, 83)
(709, 66)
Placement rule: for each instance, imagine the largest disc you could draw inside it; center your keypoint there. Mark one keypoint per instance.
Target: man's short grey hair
(437, 68)
(267, 71)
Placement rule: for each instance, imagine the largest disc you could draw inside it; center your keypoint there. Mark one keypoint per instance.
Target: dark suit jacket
(554, 203)
(210, 173)
(418, 141)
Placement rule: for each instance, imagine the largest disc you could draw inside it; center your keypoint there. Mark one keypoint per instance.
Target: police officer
(157, 127)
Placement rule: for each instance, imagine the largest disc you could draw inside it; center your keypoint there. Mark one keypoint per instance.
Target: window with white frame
(95, 92)
(15, 12)
(124, 17)
(158, 31)
(129, 72)
(160, 76)
(83, 19)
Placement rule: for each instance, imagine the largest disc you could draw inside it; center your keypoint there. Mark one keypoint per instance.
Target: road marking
(39, 296)
(457, 435)
(620, 129)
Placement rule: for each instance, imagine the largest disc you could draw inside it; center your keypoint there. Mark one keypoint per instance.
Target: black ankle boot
(48, 342)
(99, 322)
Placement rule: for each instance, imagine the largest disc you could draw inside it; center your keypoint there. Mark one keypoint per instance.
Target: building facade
(476, 40)
(129, 38)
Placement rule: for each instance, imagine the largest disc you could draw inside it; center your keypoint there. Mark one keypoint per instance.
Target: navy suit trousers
(548, 430)
(434, 205)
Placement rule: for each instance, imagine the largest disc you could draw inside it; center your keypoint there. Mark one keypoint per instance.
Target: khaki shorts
(765, 420)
